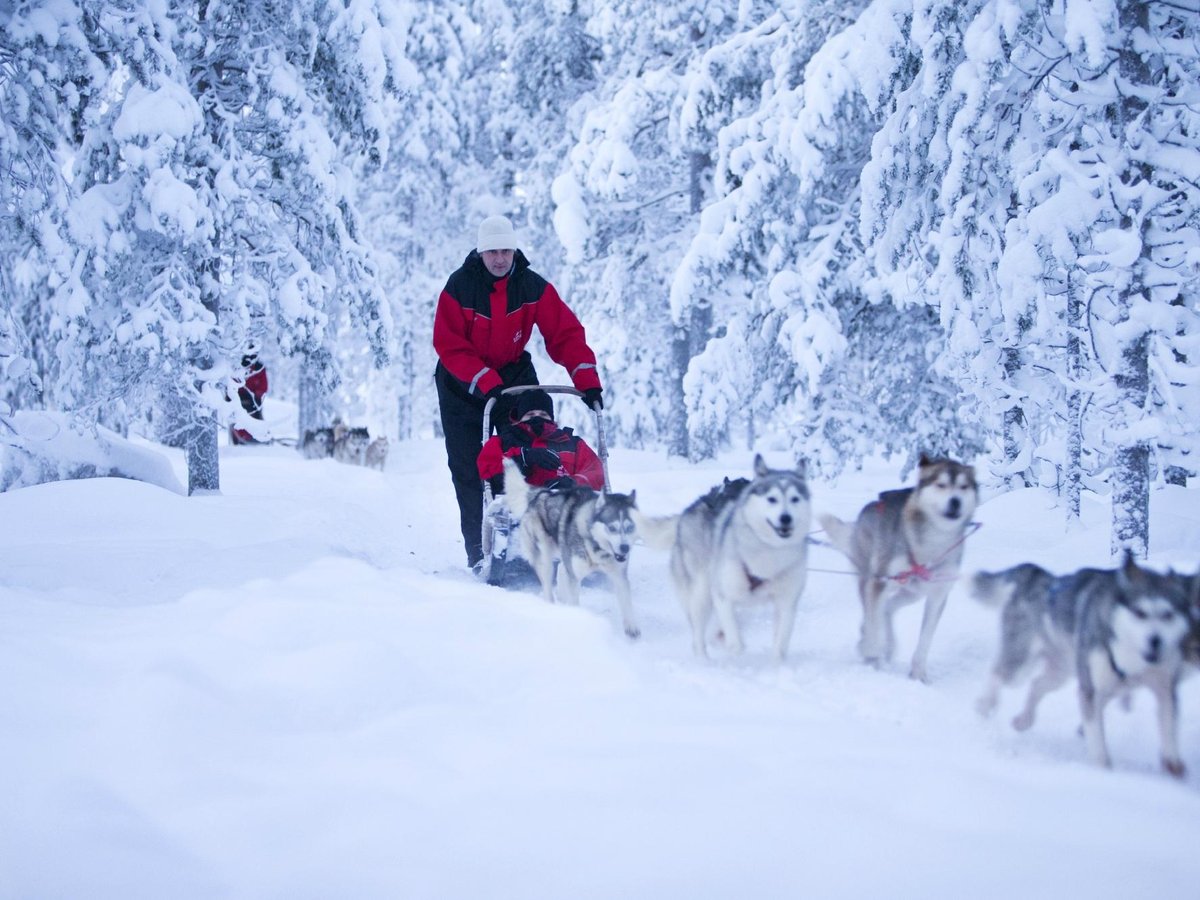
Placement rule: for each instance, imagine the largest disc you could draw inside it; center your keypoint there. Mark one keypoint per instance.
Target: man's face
(498, 262)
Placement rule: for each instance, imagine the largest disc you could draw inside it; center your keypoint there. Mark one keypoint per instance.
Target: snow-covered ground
(294, 689)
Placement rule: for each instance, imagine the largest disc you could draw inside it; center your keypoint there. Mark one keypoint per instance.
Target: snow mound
(38, 447)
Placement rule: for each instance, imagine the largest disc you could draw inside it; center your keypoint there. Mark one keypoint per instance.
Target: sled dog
(375, 456)
(1190, 586)
(317, 443)
(1114, 630)
(745, 540)
(906, 545)
(584, 530)
(350, 445)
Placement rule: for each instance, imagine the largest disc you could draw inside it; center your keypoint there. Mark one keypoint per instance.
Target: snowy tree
(420, 203)
(632, 190)
(1032, 178)
(47, 74)
(213, 204)
(781, 238)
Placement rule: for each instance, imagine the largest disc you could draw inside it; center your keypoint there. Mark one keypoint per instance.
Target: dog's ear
(802, 467)
(633, 499)
(761, 469)
(1129, 571)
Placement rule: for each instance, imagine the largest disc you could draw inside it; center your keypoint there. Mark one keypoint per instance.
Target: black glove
(561, 483)
(591, 399)
(494, 393)
(537, 458)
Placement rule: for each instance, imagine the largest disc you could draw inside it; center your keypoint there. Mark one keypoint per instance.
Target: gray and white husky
(743, 541)
(905, 546)
(582, 529)
(1114, 630)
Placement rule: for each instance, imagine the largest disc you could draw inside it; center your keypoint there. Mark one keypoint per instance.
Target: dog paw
(919, 674)
(1023, 722)
(632, 632)
(1175, 767)
(985, 705)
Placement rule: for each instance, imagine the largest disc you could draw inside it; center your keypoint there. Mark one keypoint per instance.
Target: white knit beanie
(496, 233)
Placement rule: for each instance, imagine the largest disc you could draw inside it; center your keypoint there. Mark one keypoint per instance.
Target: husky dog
(1190, 587)
(1113, 630)
(375, 456)
(584, 530)
(906, 545)
(745, 540)
(350, 445)
(317, 443)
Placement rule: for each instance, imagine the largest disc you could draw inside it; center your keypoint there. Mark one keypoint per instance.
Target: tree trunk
(200, 447)
(1074, 461)
(1131, 463)
(203, 460)
(701, 447)
(690, 336)
(405, 371)
(1014, 422)
(313, 409)
(677, 426)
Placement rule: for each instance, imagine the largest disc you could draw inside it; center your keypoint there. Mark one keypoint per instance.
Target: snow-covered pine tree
(624, 205)
(47, 76)
(419, 206)
(821, 355)
(719, 286)
(294, 93)
(136, 306)
(1136, 67)
(1055, 144)
(212, 203)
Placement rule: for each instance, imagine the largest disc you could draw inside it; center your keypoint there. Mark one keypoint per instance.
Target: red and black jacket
(576, 458)
(482, 324)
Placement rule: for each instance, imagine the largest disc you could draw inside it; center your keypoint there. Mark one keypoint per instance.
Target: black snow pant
(462, 427)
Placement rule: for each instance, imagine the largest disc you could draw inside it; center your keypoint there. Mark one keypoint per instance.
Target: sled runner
(502, 561)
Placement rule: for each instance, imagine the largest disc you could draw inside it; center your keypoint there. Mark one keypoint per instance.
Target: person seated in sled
(547, 455)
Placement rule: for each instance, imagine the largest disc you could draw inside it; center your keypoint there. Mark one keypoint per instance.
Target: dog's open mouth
(1153, 653)
(784, 530)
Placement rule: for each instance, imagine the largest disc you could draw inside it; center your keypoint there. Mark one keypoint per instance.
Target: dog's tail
(995, 589)
(837, 531)
(657, 531)
(515, 488)
(992, 589)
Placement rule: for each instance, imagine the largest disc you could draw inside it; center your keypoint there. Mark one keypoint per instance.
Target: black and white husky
(744, 541)
(582, 529)
(905, 546)
(1113, 630)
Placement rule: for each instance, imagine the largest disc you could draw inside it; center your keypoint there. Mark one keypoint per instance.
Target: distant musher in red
(485, 316)
(251, 393)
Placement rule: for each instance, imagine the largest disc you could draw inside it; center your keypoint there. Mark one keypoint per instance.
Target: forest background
(839, 228)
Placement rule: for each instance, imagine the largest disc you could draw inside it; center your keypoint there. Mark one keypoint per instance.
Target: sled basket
(499, 532)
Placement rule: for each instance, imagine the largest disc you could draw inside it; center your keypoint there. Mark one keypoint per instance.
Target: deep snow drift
(294, 689)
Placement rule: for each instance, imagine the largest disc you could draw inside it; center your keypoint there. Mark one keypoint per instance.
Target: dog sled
(499, 532)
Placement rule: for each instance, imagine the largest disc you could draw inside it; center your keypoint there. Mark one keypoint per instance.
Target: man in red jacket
(547, 455)
(485, 316)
